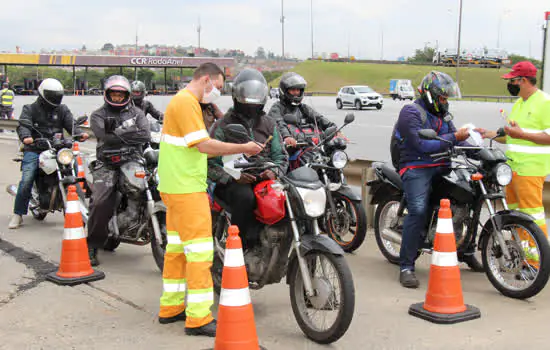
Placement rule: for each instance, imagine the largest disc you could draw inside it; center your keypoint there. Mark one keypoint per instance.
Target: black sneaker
(92, 253)
(208, 330)
(179, 317)
(408, 279)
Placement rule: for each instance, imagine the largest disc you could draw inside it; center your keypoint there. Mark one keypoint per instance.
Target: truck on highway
(401, 89)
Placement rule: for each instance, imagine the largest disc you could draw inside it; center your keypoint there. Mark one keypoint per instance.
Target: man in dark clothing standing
(116, 124)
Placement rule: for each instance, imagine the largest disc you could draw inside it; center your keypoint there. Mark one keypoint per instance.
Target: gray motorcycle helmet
(250, 87)
(138, 90)
(289, 81)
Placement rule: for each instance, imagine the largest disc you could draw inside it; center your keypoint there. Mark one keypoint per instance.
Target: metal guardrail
(358, 173)
(485, 98)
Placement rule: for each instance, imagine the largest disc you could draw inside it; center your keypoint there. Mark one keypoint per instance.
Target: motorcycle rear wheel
(327, 298)
(159, 248)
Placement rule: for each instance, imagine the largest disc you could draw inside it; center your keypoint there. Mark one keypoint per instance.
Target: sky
(368, 29)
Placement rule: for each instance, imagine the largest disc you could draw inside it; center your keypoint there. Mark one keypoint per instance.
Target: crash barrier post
(444, 302)
(236, 328)
(74, 267)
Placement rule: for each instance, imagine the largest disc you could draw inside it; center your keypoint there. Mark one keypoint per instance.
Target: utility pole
(459, 32)
(381, 42)
(135, 54)
(312, 30)
(283, 28)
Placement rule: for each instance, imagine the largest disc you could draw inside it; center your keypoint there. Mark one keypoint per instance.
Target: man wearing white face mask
(182, 169)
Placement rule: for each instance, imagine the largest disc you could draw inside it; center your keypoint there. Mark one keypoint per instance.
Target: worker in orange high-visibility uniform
(182, 169)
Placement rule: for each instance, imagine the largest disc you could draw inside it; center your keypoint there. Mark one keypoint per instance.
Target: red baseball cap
(522, 69)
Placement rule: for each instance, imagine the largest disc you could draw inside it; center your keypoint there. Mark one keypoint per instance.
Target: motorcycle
(469, 184)
(57, 170)
(345, 215)
(140, 214)
(291, 245)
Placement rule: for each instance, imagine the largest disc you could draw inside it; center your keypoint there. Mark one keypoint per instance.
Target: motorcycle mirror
(350, 117)
(238, 131)
(427, 134)
(81, 120)
(291, 119)
(501, 132)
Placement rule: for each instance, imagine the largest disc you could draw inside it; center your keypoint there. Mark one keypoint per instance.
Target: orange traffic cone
(80, 174)
(236, 328)
(75, 267)
(444, 301)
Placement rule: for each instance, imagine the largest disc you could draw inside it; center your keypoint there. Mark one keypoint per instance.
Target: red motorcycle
(322, 293)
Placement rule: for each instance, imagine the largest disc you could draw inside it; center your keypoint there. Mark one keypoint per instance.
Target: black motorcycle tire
(38, 216)
(159, 248)
(111, 244)
(360, 228)
(347, 300)
(544, 260)
(378, 234)
(219, 229)
(473, 263)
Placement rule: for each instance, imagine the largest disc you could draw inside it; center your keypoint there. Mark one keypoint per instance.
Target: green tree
(424, 55)
(518, 58)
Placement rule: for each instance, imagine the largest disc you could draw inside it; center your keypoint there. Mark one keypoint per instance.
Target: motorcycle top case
(270, 203)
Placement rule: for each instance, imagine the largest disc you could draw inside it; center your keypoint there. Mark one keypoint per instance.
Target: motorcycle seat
(392, 175)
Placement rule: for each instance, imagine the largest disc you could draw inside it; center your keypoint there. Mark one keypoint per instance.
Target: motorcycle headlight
(503, 174)
(339, 159)
(314, 201)
(65, 156)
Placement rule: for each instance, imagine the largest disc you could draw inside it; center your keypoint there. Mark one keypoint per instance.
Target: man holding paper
(237, 189)
(528, 140)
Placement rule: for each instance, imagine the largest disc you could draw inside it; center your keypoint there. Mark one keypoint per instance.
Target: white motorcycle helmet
(51, 91)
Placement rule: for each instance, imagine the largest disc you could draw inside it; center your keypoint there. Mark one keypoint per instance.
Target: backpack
(396, 139)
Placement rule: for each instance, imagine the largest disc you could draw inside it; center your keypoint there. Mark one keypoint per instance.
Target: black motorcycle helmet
(435, 87)
(138, 91)
(249, 93)
(289, 81)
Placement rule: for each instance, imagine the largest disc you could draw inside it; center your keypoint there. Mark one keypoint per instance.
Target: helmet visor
(251, 92)
(53, 97)
(295, 81)
(448, 87)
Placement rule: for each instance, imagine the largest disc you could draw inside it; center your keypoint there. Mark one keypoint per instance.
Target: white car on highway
(359, 96)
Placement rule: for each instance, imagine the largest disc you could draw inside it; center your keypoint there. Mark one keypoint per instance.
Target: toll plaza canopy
(110, 61)
(18, 59)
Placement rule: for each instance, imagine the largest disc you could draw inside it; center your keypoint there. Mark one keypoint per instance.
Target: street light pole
(459, 32)
(283, 28)
(312, 55)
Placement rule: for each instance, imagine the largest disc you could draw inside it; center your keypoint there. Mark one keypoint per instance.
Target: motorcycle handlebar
(441, 155)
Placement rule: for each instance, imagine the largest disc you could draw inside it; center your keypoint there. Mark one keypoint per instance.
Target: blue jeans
(29, 170)
(417, 185)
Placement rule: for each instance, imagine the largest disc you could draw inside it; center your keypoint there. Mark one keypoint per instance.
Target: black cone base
(418, 310)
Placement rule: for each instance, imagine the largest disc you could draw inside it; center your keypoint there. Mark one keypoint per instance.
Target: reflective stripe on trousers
(188, 259)
(524, 193)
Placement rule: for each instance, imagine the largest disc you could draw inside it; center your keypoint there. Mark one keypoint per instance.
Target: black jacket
(259, 129)
(148, 108)
(115, 128)
(47, 120)
(307, 115)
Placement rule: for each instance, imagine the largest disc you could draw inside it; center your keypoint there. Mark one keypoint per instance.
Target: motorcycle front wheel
(326, 316)
(349, 228)
(526, 273)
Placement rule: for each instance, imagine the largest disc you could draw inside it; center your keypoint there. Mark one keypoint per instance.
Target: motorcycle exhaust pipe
(12, 190)
(392, 236)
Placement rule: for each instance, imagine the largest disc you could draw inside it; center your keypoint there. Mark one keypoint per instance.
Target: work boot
(408, 279)
(208, 330)
(15, 221)
(92, 253)
(179, 317)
